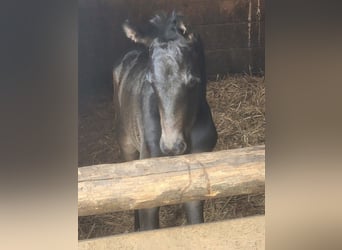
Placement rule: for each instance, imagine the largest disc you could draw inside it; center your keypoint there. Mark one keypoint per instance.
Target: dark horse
(160, 98)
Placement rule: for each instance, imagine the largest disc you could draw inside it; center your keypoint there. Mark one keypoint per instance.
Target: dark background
(230, 45)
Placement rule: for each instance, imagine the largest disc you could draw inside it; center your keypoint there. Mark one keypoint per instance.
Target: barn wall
(231, 46)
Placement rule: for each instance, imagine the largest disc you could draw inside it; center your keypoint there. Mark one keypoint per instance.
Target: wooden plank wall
(231, 44)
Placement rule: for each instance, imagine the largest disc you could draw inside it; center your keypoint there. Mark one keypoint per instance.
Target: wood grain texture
(170, 180)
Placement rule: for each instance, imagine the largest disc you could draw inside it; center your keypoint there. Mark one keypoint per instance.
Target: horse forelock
(166, 26)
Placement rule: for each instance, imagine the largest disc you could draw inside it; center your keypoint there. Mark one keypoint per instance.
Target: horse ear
(134, 34)
(182, 27)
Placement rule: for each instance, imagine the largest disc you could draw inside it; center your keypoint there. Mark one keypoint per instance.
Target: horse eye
(192, 83)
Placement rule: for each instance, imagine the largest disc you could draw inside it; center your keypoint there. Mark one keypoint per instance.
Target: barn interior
(233, 35)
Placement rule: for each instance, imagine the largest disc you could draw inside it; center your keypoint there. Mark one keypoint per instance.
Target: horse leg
(129, 153)
(128, 150)
(194, 212)
(148, 218)
(203, 139)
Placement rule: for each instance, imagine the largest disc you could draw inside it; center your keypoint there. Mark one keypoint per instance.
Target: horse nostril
(166, 150)
(179, 148)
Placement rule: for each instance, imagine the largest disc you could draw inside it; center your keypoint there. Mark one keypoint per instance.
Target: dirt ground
(238, 107)
(243, 234)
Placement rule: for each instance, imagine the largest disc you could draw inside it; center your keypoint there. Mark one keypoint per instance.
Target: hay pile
(238, 107)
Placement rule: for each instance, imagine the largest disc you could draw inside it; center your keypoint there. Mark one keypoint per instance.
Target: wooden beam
(242, 233)
(170, 180)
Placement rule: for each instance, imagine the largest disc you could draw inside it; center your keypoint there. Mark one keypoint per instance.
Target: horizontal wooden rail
(170, 180)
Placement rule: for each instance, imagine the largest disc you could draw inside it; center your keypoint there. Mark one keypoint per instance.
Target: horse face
(175, 76)
(177, 87)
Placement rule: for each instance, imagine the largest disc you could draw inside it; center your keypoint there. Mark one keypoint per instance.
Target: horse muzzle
(176, 147)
